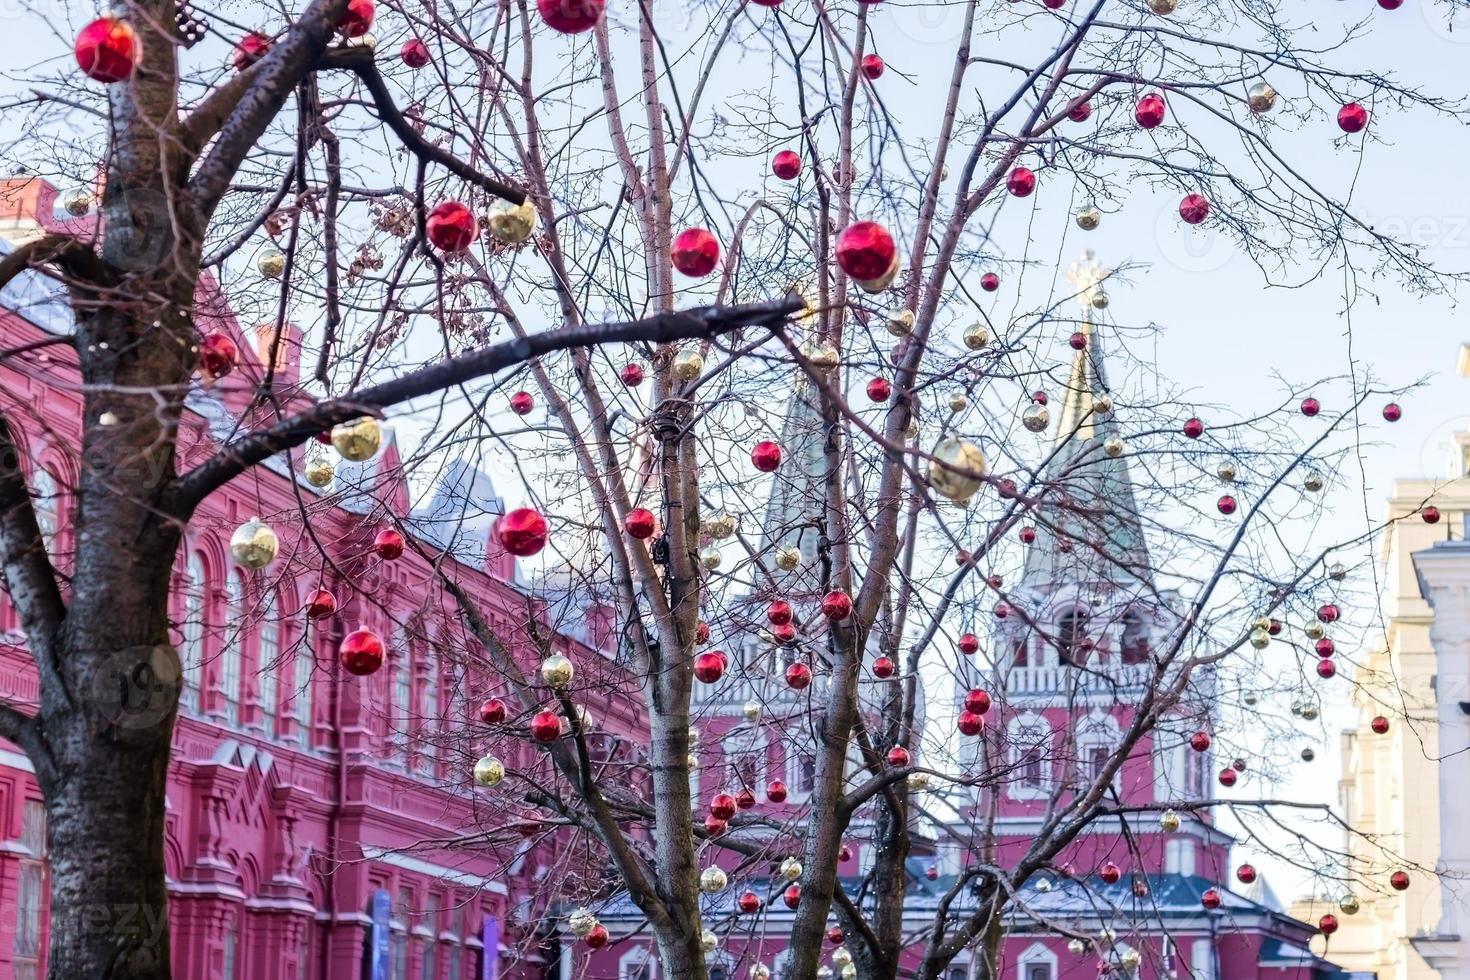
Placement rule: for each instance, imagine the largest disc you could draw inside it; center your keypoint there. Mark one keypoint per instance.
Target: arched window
(229, 658)
(301, 682)
(1018, 652)
(269, 648)
(1136, 647)
(47, 506)
(192, 630)
(1072, 643)
(1030, 753)
(636, 964)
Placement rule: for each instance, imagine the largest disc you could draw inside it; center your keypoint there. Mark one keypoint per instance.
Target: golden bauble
(1089, 218)
(1036, 418)
(107, 419)
(759, 971)
(976, 336)
(790, 869)
(720, 526)
(1349, 904)
(557, 671)
(1312, 482)
(1261, 623)
(1261, 97)
(254, 544)
(1102, 404)
(692, 761)
(512, 223)
(77, 203)
(272, 264)
(841, 957)
(918, 782)
(584, 718)
(1316, 629)
(1226, 471)
(752, 711)
(958, 402)
(1260, 639)
(708, 941)
(1163, 7)
(358, 440)
(712, 881)
(1099, 300)
(1130, 959)
(1309, 712)
(1169, 821)
(957, 469)
(581, 922)
(1076, 947)
(688, 364)
(849, 972)
(489, 771)
(900, 323)
(711, 558)
(1337, 572)
(788, 559)
(1113, 447)
(822, 355)
(319, 471)
(1043, 885)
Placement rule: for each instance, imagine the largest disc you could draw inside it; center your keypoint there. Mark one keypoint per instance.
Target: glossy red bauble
(709, 667)
(1150, 110)
(1200, 741)
(361, 652)
(522, 532)
(776, 791)
(452, 227)
(1326, 669)
(1054, 4)
(1245, 874)
(883, 668)
(1028, 535)
(836, 605)
(1328, 612)
(250, 49)
(218, 355)
(798, 676)
(388, 544)
(357, 19)
(1379, 724)
(745, 799)
(865, 250)
(631, 374)
(872, 66)
(898, 756)
(545, 726)
(1310, 406)
(932, 872)
(779, 612)
(990, 282)
(1078, 340)
(521, 403)
(1275, 628)
(107, 50)
(1211, 898)
(596, 937)
(836, 936)
(320, 604)
(492, 712)
(977, 701)
(571, 16)
(748, 902)
(1111, 873)
(791, 897)
(1325, 647)
(640, 523)
(1080, 111)
(1194, 209)
(1430, 514)
(969, 642)
(786, 165)
(1352, 118)
(701, 632)
(879, 390)
(1399, 880)
(1001, 610)
(722, 806)
(1226, 504)
(1392, 412)
(695, 252)
(785, 634)
(765, 456)
(1228, 776)
(414, 53)
(970, 723)
(844, 853)
(1021, 182)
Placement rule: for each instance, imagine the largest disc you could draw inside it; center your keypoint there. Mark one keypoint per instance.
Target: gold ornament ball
(1169, 821)
(272, 264)
(688, 364)
(900, 323)
(788, 559)
(1316, 629)
(1130, 959)
(1309, 712)
(976, 336)
(1113, 447)
(1260, 639)
(1261, 97)
(1226, 471)
(1102, 405)
(512, 223)
(751, 711)
(1349, 904)
(692, 761)
(358, 440)
(708, 941)
(1043, 885)
(841, 957)
(957, 469)
(1100, 300)
(849, 972)
(1076, 947)
(759, 971)
(581, 922)
(319, 472)
(918, 782)
(958, 402)
(1163, 7)
(1036, 418)
(711, 558)
(790, 869)
(254, 544)
(712, 881)
(1261, 623)
(1312, 482)
(911, 430)
(1089, 218)
(823, 356)
(77, 203)
(489, 771)
(720, 526)
(1337, 572)
(557, 671)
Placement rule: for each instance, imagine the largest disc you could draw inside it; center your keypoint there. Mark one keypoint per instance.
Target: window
(429, 958)
(301, 707)
(399, 966)
(1096, 762)
(636, 964)
(402, 691)
(1036, 963)
(269, 649)
(1202, 960)
(30, 894)
(1072, 645)
(431, 709)
(229, 660)
(803, 771)
(718, 972)
(1194, 771)
(232, 941)
(958, 971)
(192, 630)
(1038, 971)
(1029, 738)
(1135, 638)
(47, 505)
(1018, 653)
(1031, 768)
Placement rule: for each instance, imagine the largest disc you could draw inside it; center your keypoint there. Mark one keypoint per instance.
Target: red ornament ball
(844, 853)
(932, 872)
(1002, 610)
(873, 66)
(709, 667)
(452, 227)
(320, 604)
(357, 19)
(1111, 873)
(388, 544)
(969, 643)
(1326, 669)
(1228, 776)
(1245, 874)
(107, 50)
(701, 632)
(1194, 428)
(1226, 504)
(990, 282)
(748, 902)
(745, 799)
(631, 374)
(1194, 209)
(596, 937)
(1028, 535)
(776, 791)
(1080, 111)
(640, 523)
(1211, 898)
(695, 252)
(798, 676)
(492, 712)
(1325, 647)
(786, 165)
(414, 53)
(977, 701)
(1150, 110)
(1392, 412)
(571, 16)
(766, 456)
(1021, 182)
(879, 390)
(1310, 407)
(250, 49)
(883, 668)
(898, 756)
(785, 634)
(545, 726)
(1430, 514)
(1352, 118)
(1054, 4)
(361, 652)
(836, 936)
(791, 897)
(1379, 724)
(779, 612)
(865, 250)
(218, 355)
(1275, 628)
(521, 403)
(1078, 340)
(1399, 880)
(722, 807)
(836, 605)
(522, 532)
(1200, 741)
(1328, 612)
(970, 723)
(1328, 923)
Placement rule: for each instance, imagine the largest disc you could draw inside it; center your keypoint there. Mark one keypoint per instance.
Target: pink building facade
(300, 797)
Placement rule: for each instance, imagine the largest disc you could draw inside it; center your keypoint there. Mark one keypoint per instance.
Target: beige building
(1391, 783)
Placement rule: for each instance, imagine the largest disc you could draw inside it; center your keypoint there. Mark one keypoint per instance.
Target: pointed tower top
(797, 498)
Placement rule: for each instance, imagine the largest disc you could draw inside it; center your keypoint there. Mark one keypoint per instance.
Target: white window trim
(1021, 734)
(1037, 952)
(1099, 728)
(635, 957)
(794, 792)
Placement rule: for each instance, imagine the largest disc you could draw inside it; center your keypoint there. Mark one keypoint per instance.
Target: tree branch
(67, 252)
(709, 321)
(30, 580)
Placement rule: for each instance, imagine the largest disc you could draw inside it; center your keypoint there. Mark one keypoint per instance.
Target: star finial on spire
(1087, 276)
